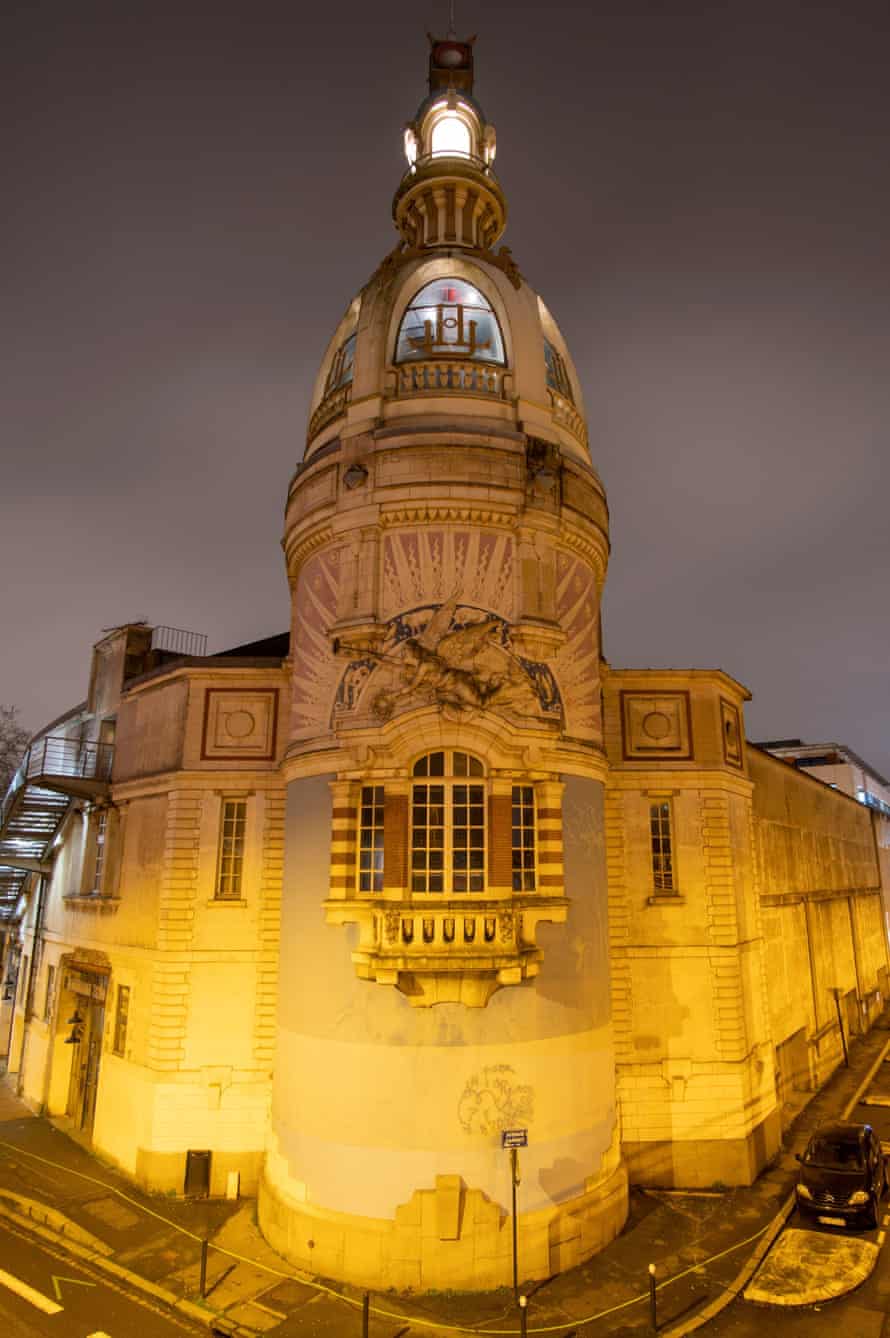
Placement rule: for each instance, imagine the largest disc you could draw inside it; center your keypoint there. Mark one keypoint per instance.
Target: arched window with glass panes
(451, 836)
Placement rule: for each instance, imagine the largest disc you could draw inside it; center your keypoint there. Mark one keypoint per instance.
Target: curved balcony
(331, 407)
(431, 165)
(567, 416)
(437, 376)
(451, 950)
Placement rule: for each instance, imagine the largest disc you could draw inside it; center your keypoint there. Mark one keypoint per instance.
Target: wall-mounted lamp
(75, 1022)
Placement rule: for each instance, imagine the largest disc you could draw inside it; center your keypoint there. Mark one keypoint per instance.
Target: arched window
(450, 138)
(342, 366)
(450, 317)
(448, 824)
(449, 832)
(557, 373)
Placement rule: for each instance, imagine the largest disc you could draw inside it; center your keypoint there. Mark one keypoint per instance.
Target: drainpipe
(859, 997)
(811, 955)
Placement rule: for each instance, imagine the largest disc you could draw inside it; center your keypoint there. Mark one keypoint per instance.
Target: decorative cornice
(423, 513)
(583, 546)
(402, 254)
(304, 545)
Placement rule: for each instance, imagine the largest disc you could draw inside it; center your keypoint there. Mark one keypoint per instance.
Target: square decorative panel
(656, 725)
(731, 729)
(240, 725)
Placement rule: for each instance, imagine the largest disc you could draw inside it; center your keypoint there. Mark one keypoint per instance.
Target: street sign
(514, 1138)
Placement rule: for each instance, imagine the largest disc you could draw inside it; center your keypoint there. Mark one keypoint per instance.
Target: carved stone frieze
(454, 656)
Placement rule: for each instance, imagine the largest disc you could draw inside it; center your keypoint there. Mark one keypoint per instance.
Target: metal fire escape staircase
(55, 772)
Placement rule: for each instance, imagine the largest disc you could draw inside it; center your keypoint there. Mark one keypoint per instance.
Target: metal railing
(178, 641)
(68, 757)
(471, 378)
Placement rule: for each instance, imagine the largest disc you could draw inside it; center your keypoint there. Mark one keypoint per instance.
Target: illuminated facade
(430, 869)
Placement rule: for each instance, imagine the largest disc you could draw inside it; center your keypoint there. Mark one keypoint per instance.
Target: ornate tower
(444, 959)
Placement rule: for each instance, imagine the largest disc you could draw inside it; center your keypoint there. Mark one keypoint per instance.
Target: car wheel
(873, 1212)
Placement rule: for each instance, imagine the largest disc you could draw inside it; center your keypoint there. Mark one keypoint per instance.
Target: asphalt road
(864, 1313)
(45, 1293)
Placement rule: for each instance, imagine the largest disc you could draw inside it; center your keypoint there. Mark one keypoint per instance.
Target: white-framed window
(448, 827)
(661, 845)
(230, 858)
(370, 840)
(100, 837)
(523, 844)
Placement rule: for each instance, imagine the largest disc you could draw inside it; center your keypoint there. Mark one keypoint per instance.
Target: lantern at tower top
(450, 149)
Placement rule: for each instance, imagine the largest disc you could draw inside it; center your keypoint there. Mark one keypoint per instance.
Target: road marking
(882, 1236)
(78, 1282)
(29, 1294)
(100, 1333)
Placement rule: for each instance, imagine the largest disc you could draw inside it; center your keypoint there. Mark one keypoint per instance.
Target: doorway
(87, 1025)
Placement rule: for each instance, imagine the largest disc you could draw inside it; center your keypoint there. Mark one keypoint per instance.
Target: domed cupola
(450, 195)
(447, 335)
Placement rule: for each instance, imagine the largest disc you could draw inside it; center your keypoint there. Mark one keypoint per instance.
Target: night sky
(194, 193)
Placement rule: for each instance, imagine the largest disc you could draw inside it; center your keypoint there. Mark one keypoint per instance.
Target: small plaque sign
(514, 1138)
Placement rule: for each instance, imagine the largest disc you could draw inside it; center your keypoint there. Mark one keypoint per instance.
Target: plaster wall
(150, 727)
(375, 1100)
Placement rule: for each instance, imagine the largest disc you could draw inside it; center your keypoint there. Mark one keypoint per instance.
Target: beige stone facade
(323, 918)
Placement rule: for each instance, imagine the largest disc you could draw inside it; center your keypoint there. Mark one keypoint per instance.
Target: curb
(866, 1082)
(747, 1271)
(54, 1221)
(99, 1259)
(52, 1226)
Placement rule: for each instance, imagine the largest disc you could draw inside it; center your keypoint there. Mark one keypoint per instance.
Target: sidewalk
(699, 1243)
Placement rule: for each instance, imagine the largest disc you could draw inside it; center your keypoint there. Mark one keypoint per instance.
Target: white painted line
(882, 1236)
(100, 1333)
(29, 1294)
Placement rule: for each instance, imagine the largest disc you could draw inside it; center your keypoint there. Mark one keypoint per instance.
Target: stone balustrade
(449, 375)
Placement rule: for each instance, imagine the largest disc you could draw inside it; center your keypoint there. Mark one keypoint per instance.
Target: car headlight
(859, 1197)
(804, 1192)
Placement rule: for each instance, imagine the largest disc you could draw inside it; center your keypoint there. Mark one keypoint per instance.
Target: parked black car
(842, 1175)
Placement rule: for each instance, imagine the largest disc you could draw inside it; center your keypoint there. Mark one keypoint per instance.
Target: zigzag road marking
(78, 1282)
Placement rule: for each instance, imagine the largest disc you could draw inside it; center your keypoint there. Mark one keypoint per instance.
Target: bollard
(203, 1269)
(523, 1316)
(366, 1311)
(653, 1315)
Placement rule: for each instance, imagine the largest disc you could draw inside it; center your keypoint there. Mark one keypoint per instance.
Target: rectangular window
(428, 839)
(121, 1014)
(661, 844)
(231, 849)
(468, 838)
(370, 840)
(523, 852)
(49, 997)
(99, 837)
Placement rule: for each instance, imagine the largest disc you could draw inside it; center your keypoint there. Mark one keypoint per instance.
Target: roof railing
(178, 641)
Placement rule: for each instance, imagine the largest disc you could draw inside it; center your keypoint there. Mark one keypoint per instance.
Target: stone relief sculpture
(454, 656)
